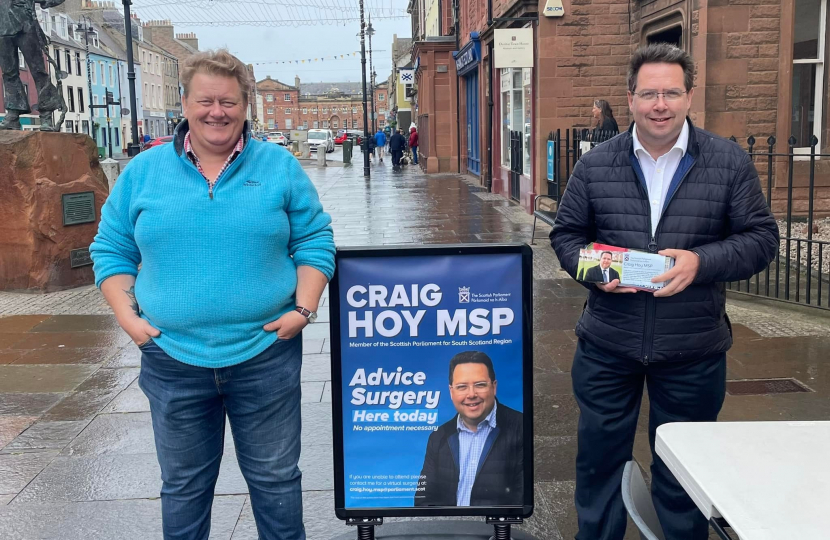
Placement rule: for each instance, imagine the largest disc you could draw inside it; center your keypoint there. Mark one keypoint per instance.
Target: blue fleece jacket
(380, 138)
(213, 271)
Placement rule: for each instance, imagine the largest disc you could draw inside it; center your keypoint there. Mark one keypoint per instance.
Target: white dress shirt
(658, 174)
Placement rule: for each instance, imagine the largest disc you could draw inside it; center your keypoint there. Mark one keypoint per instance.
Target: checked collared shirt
(470, 446)
(188, 149)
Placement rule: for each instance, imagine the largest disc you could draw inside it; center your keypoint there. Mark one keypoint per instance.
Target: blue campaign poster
(412, 437)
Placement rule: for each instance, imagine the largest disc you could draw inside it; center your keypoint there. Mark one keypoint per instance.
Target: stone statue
(19, 29)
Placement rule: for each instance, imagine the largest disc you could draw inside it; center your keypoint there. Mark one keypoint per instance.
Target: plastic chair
(637, 500)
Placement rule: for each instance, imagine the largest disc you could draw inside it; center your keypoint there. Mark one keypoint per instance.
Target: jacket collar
(184, 127)
(692, 146)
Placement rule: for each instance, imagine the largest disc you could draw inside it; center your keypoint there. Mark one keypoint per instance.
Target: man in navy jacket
(665, 187)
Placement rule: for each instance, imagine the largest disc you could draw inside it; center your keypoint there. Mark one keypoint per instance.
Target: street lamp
(366, 172)
(86, 30)
(371, 31)
(134, 147)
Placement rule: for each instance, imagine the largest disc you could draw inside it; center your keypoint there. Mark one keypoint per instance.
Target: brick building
(759, 71)
(316, 105)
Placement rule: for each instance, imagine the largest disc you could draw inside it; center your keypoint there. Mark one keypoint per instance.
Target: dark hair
(604, 252)
(472, 357)
(661, 53)
(604, 111)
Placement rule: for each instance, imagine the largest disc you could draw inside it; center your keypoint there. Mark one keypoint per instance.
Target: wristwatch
(307, 313)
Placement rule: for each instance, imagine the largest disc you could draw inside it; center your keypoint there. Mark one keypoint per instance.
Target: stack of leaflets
(599, 263)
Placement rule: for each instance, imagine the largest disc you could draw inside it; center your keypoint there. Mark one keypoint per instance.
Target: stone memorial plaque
(79, 257)
(78, 208)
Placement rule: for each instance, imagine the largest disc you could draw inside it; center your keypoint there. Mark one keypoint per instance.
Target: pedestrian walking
(397, 144)
(604, 118)
(413, 143)
(380, 144)
(235, 251)
(664, 187)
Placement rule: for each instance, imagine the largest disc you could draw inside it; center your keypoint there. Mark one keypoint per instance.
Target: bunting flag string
(309, 60)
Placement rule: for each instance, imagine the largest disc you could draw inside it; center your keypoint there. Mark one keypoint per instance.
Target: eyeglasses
(478, 387)
(652, 95)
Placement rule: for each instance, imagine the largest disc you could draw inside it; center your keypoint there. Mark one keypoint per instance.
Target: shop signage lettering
(513, 48)
(465, 59)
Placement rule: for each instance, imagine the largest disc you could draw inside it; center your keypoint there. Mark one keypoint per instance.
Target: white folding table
(767, 480)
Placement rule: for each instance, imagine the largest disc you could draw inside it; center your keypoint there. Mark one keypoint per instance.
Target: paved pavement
(76, 450)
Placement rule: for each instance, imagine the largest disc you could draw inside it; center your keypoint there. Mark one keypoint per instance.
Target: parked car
(158, 141)
(321, 137)
(356, 135)
(341, 138)
(278, 137)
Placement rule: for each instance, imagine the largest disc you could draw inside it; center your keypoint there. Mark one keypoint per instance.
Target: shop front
(467, 63)
(514, 139)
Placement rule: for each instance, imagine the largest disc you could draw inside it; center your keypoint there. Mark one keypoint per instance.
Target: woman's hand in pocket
(139, 330)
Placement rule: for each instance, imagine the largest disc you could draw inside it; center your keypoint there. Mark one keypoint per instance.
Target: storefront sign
(513, 48)
(554, 8)
(468, 58)
(424, 340)
(407, 76)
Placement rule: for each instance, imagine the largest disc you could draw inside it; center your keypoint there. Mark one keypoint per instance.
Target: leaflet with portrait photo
(429, 345)
(600, 263)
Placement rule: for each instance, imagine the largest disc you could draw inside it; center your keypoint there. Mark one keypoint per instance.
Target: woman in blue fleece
(235, 251)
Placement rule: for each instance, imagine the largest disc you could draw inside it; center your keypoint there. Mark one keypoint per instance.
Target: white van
(321, 137)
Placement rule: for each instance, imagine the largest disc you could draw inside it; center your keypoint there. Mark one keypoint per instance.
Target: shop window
(808, 71)
(515, 111)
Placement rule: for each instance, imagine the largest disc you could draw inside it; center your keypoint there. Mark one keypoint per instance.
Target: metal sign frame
(460, 250)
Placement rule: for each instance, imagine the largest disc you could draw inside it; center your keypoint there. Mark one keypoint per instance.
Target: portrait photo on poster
(431, 376)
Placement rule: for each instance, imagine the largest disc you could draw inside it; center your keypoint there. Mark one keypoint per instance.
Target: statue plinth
(36, 170)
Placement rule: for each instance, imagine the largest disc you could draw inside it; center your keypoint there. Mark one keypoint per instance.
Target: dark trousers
(608, 391)
(16, 100)
(396, 158)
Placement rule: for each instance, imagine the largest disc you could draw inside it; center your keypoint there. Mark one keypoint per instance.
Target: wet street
(77, 459)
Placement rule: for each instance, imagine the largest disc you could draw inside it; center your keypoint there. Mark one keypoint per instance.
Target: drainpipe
(457, 88)
(489, 180)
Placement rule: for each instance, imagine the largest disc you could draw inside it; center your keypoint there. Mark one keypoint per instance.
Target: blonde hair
(219, 62)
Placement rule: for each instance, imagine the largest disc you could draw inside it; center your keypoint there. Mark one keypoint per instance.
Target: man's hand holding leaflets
(620, 270)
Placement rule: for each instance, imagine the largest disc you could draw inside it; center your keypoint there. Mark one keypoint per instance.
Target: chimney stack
(189, 39)
(296, 82)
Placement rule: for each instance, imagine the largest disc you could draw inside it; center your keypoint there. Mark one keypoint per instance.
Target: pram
(406, 158)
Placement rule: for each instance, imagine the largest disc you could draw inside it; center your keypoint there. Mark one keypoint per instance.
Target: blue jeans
(188, 404)
(414, 154)
(608, 391)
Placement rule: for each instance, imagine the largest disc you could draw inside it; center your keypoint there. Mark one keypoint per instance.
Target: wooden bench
(548, 216)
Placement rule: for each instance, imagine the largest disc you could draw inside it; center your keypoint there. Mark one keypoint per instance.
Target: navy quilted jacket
(714, 206)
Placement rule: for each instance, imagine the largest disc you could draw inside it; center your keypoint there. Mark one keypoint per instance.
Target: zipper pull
(652, 245)
(645, 360)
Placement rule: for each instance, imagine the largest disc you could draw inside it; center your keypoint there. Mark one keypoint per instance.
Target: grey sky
(274, 42)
